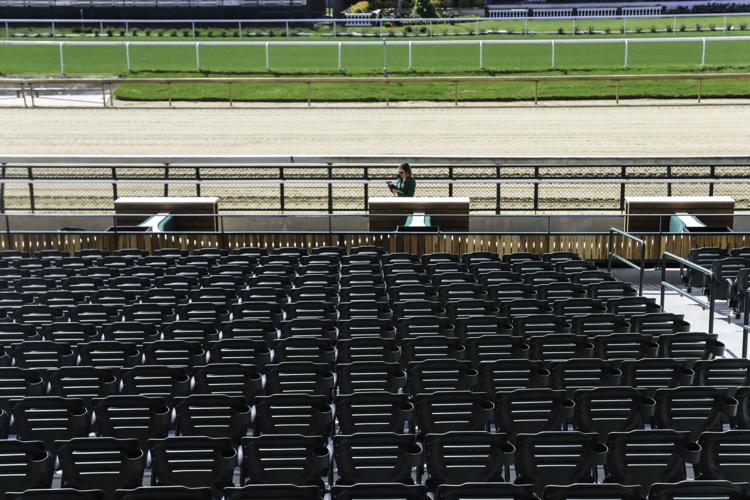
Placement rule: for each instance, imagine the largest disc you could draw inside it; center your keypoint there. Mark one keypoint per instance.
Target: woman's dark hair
(405, 167)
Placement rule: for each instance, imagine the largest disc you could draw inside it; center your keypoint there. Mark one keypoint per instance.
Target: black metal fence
(345, 184)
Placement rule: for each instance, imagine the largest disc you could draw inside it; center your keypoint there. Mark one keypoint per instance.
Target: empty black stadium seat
(653, 374)
(440, 412)
(612, 409)
(532, 410)
(373, 412)
(459, 457)
(695, 490)
(548, 458)
(486, 491)
(50, 418)
(693, 409)
(132, 417)
(101, 463)
(302, 414)
(213, 415)
(509, 374)
(599, 491)
(192, 461)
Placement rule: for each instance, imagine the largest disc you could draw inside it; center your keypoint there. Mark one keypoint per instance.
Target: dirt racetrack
(549, 130)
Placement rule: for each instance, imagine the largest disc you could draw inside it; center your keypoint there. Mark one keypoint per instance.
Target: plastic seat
(299, 378)
(368, 349)
(174, 353)
(722, 372)
(191, 331)
(369, 376)
(132, 417)
(365, 327)
(250, 329)
(411, 308)
(155, 314)
(527, 326)
(50, 418)
(592, 492)
(571, 308)
(470, 307)
(214, 295)
(690, 346)
(693, 409)
(695, 490)
(440, 412)
(577, 374)
(424, 326)
(213, 415)
(374, 491)
(114, 297)
(631, 306)
(530, 266)
(524, 307)
(373, 412)
(273, 492)
(284, 459)
(83, 382)
(231, 350)
(293, 414)
(182, 284)
(608, 290)
(460, 457)
(18, 383)
(476, 326)
(486, 491)
(460, 291)
(69, 333)
(14, 333)
(723, 456)
(514, 257)
(440, 375)
(548, 458)
(269, 311)
(725, 273)
(130, 331)
(646, 457)
(505, 291)
(510, 374)
(541, 278)
(101, 463)
(653, 374)
(24, 465)
(363, 292)
(599, 324)
(228, 378)
(559, 347)
(377, 458)
(316, 350)
(192, 461)
(264, 294)
(206, 312)
(704, 257)
(589, 277)
(308, 327)
(431, 347)
(37, 315)
(555, 291)
(658, 323)
(489, 348)
(43, 354)
(625, 346)
(310, 309)
(532, 410)
(575, 266)
(157, 381)
(612, 409)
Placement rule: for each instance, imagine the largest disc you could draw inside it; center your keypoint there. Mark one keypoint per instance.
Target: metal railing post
(703, 51)
(643, 269)
(197, 56)
(268, 57)
(711, 304)
(481, 54)
(127, 56)
(553, 53)
(626, 54)
(339, 57)
(663, 279)
(609, 250)
(745, 322)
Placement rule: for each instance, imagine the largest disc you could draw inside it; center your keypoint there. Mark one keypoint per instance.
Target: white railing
(337, 48)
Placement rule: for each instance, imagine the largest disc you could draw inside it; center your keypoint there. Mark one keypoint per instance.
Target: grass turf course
(367, 60)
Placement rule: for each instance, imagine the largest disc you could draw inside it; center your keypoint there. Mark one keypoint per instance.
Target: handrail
(710, 304)
(746, 323)
(612, 255)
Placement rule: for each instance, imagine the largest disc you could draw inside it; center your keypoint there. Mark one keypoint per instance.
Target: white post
(703, 51)
(334, 28)
(626, 53)
(127, 28)
(674, 24)
(239, 29)
(286, 28)
(197, 56)
(53, 29)
(481, 54)
(193, 26)
(553, 53)
(430, 27)
(62, 60)
(409, 54)
(7, 30)
(127, 55)
(339, 65)
(385, 55)
(624, 24)
(268, 60)
(477, 33)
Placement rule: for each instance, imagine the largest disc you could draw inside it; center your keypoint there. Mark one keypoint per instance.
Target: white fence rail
(337, 48)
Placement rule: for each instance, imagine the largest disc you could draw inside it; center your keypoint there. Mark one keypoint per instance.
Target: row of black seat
(683, 490)
(603, 410)
(642, 457)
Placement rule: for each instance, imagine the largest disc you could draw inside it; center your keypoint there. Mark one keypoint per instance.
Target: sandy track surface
(657, 130)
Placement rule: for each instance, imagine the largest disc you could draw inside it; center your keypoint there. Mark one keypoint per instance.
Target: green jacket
(407, 187)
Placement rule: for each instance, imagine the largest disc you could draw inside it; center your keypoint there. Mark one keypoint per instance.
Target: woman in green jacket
(405, 184)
